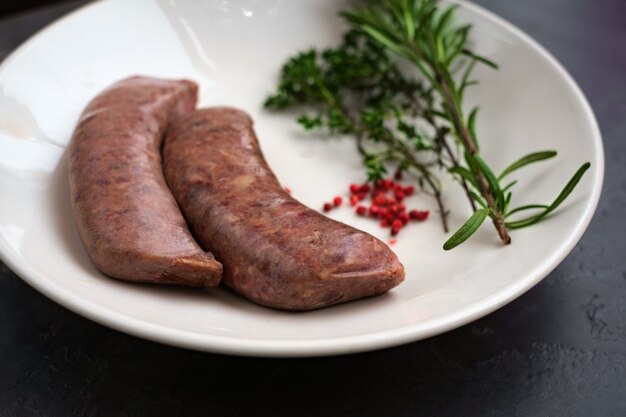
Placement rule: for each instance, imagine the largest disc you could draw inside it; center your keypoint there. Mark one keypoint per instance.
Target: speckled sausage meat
(127, 218)
(275, 251)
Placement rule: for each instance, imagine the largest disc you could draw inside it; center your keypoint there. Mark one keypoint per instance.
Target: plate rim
(335, 345)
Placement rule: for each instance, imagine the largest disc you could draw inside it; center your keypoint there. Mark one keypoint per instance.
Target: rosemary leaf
(527, 159)
(526, 207)
(509, 186)
(465, 174)
(494, 185)
(468, 229)
(569, 187)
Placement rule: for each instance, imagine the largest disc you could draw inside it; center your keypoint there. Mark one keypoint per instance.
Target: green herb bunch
(357, 89)
(412, 124)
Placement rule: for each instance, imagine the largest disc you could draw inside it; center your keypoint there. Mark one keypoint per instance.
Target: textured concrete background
(559, 350)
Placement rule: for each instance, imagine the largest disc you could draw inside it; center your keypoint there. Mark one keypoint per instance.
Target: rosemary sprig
(419, 32)
(358, 89)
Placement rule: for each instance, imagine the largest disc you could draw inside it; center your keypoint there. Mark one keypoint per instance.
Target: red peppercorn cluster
(386, 203)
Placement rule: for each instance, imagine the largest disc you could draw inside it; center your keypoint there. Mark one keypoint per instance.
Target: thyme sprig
(357, 89)
(413, 124)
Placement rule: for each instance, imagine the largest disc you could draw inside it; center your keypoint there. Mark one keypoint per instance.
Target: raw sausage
(275, 251)
(127, 218)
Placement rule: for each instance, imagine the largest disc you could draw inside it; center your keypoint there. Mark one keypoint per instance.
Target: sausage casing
(275, 251)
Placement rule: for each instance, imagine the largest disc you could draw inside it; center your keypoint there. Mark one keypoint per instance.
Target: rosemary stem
(469, 143)
(441, 77)
(455, 163)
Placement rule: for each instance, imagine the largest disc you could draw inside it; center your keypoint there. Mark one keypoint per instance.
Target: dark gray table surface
(559, 350)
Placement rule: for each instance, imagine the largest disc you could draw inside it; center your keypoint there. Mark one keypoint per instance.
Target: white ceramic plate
(234, 49)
